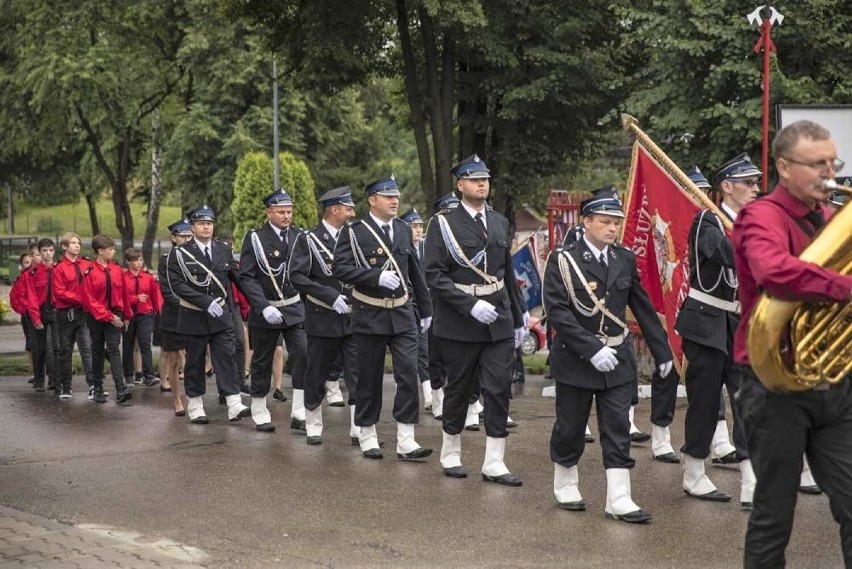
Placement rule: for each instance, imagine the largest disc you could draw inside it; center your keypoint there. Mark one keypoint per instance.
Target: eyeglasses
(828, 164)
(748, 183)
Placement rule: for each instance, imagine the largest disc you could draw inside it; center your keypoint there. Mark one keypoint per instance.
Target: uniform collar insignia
(587, 255)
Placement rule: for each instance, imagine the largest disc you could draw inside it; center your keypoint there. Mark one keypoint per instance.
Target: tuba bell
(794, 346)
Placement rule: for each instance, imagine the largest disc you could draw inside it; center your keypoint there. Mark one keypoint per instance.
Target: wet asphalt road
(251, 499)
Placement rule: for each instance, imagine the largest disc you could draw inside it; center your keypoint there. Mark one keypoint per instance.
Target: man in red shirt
(70, 316)
(43, 316)
(108, 305)
(769, 234)
(145, 301)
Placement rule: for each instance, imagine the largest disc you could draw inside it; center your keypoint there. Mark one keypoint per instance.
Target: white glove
(484, 312)
(425, 323)
(272, 315)
(605, 359)
(340, 305)
(215, 310)
(389, 280)
(520, 333)
(665, 368)
(526, 319)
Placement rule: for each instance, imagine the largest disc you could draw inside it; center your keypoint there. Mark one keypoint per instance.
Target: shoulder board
(89, 270)
(355, 222)
(621, 247)
(558, 249)
(570, 246)
(85, 258)
(165, 255)
(33, 271)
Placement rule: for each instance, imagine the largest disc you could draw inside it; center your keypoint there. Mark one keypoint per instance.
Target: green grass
(57, 219)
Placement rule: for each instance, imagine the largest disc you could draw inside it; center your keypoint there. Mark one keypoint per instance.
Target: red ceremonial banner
(658, 214)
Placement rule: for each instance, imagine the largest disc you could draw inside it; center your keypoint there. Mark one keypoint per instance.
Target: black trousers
(44, 352)
(335, 370)
(423, 356)
(780, 427)
(573, 404)
(707, 371)
(663, 397)
(106, 344)
(264, 341)
(140, 330)
(371, 364)
(239, 343)
(321, 358)
(71, 328)
(221, 355)
(482, 366)
(437, 370)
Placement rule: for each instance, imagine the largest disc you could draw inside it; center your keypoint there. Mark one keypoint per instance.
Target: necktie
(284, 237)
(207, 255)
(816, 218)
(137, 286)
(481, 223)
(108, 288)
(602, 260)
(386, 230)
(79, 274)
(49, 299)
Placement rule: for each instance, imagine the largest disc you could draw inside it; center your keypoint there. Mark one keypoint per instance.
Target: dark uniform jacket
(709, 255)
(258, 287)
(171, 303)
(306, 274)
(453, 320)
(367, 319)
(197, 321)
(575, 341)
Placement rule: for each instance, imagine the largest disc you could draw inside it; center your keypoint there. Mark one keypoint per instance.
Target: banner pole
(632, 125)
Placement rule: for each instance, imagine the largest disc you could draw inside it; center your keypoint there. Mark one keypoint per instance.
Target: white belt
(613, 341)
(286, 302)
(379, 302)
(729, 306)
(191, 306)
(481, 290)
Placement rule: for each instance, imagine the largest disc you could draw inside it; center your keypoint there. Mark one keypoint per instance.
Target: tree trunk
(120, 201)
(156, 190)
(91, 205)
(415, 103)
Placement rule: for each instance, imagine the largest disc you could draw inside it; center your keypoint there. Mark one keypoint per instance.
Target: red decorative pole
(766, 44)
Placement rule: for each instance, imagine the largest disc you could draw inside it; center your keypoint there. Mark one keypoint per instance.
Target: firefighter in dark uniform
(198, 274)
(588, 286)
(276, 307)
(327, 309)
(706, 322)
(376, 256)
(478, 317)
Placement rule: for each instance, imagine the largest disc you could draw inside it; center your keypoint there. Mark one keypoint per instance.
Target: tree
(253, 182)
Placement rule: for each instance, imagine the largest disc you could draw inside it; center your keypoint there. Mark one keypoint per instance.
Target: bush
(254, 181)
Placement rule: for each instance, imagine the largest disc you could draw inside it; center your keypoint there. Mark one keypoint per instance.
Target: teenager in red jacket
(70, 316)
(108, 305)
(145, 301)
(18, 302)
(39, 286)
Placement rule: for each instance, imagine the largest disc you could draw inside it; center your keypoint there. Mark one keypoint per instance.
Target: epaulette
(620, 246)
(89, 270)
(33, 270)
(355, 222)
(165, 255)
(570, 246)
(85, 258)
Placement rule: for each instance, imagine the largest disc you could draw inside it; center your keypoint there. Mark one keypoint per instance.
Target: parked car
(536, 337)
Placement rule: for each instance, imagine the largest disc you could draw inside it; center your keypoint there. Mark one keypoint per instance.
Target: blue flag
(526, 272)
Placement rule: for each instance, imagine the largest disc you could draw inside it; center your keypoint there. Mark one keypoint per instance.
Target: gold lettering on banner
(643, 229)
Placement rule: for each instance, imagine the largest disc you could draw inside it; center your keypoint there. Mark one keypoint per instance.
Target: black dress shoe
(714, 496)
(278, 395)
(415, 454)
(337, 404)
(746, 506)
(180, 413)
(668, 457)
(511, 424)
(471, 428)
(297, 425)
(455, 472)
(637, 517)
(573, 506)
(639, 437)
(730, 458)
(266, 428)
(314, 440)
(813, 489)
(373, 453)
(202, 420)
(507, 479)
(244, 413)
(355, 442)
(590, 439)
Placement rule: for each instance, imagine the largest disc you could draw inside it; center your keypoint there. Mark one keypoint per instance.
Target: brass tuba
(795, 346)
